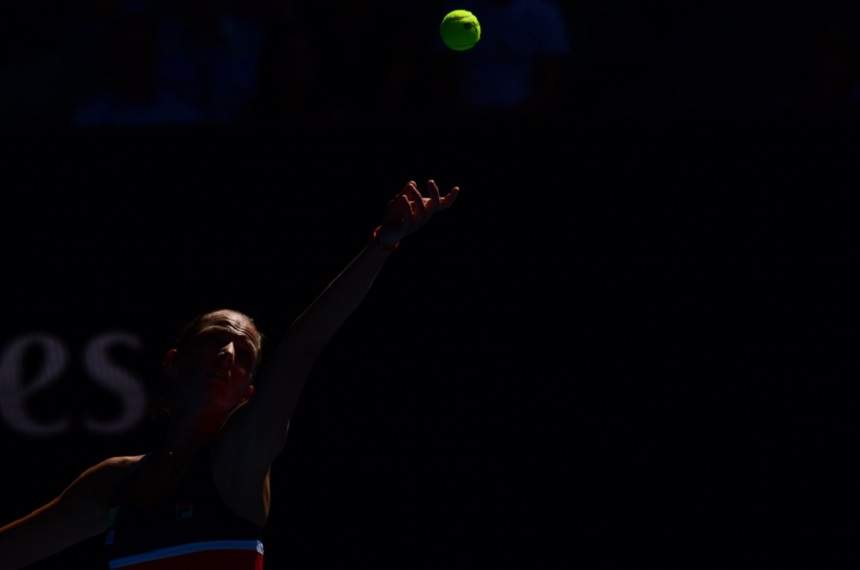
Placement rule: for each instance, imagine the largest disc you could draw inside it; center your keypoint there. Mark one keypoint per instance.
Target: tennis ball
(460, 30)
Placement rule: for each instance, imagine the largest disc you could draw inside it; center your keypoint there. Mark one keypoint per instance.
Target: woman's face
(212, 371)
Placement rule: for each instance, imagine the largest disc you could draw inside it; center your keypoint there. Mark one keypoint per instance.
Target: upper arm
(78, 513)
(257, 432)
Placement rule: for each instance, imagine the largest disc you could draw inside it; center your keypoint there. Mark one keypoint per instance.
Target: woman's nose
(226, 356)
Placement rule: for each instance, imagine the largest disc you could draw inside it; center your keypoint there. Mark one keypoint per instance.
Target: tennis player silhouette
(201, 500)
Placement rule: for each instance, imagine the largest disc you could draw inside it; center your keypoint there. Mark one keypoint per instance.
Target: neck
(191, 432)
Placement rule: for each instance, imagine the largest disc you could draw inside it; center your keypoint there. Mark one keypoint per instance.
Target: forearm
(321, 320)
(267, 416)
(21, 544)
(43, 533)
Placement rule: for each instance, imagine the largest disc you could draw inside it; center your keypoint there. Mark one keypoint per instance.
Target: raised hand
(409, 210)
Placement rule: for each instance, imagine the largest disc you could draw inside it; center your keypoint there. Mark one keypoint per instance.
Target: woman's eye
(209, 339)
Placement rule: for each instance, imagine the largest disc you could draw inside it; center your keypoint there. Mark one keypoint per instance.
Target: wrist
(376, 239)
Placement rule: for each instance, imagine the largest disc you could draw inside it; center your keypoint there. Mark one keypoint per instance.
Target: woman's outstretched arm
(406, 213)
(265, 419)
(78, 513)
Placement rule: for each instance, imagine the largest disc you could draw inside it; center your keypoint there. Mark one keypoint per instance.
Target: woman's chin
(208, 424)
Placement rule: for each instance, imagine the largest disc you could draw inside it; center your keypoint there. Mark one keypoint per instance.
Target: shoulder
(111, 467)
(98, 482)
(244, 449)
(242, 477)
(114, 466)
(120, 462)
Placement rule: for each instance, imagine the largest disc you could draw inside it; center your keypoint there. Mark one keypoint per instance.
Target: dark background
(630, 344)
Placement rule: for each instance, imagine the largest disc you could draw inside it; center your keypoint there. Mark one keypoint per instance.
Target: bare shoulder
(240, 450)
(113, 466)
(240, 471)
(99, 481)
(120, 462)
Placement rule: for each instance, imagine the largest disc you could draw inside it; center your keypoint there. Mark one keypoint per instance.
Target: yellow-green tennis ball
(460, 30)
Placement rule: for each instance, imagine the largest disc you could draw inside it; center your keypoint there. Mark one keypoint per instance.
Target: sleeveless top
(190, 528)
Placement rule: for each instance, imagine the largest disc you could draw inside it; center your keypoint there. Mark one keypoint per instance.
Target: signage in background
(32, 364)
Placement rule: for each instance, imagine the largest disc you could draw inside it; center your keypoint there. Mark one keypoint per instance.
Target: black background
(631, 343)
(623, 346)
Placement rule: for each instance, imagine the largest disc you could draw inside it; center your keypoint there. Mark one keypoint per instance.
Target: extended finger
(413, 193)
(404, 208)
(448, 200)
(435, 199)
